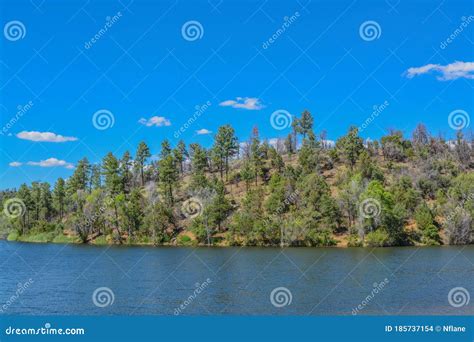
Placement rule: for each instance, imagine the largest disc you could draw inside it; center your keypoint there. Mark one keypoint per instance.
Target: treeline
(299, 190)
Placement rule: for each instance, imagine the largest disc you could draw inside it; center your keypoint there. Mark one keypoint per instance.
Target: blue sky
(150, 76)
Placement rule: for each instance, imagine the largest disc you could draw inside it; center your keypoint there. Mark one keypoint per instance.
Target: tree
(80, 178)
(180, 154)
(248, 173)
(309, 155)
(125, 173)
(199, 163)
(350, 146)
(304, 125)
(256, 156)
(219, 208)
(394, 146)
(25, 195)
(143, 153)
(96, 180)
(225, 147)
(168, 177)
(289, 147)
(131, 213)
(165, 149)
(59, 196)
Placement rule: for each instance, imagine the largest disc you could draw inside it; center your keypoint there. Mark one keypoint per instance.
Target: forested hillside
(301, 190)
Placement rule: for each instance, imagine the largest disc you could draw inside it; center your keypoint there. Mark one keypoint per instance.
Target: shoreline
(174, 245)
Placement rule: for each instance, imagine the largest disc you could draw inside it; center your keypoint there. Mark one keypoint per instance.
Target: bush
(321, 239)
(377, 238)
(354, 241)
(13, 236)
(184, 240)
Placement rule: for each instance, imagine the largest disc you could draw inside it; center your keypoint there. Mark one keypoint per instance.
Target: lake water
(61, 279)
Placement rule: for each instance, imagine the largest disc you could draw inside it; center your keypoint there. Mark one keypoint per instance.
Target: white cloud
(157, 121)
(44, 137)
(445, 72)
(250, 103)
(203, 131)
(52, 162)
(15, 164)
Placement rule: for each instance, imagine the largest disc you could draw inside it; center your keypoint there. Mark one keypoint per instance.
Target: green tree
(169, 176)
(125, 172)
(350, 146)
(143, 153)
(59, 197)
(225, 147)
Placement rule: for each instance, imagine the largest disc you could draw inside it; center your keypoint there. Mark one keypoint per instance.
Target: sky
(82, 78)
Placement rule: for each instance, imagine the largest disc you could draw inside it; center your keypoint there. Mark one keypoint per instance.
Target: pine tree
(59, 197)
(180, 154)
(350, 146)
(125, 173)
(143, 153)
(168, 177)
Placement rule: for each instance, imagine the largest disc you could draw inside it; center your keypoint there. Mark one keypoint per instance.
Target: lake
(80, 279)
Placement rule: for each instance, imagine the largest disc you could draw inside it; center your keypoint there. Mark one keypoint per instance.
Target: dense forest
(301, 190)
